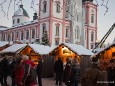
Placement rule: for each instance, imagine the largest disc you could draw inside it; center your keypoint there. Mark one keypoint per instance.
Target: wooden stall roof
(14, 48)
(78, 49)
(102, 50)
(40, 49)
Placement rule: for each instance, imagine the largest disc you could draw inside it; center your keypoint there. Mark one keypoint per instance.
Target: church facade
(68, 21)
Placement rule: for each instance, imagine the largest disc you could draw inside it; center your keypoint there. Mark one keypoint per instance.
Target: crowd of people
(69, 73)
(22, 70)
(92, 76)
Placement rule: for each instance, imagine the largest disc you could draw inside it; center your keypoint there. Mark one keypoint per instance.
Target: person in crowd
(29, 78)
(67, 72)
(58, 68)
(39, 71)
(75, 73)
(4, 71)
(12, 69)
(93, 76)
(0, 69)
(111, 73)
(19, 71)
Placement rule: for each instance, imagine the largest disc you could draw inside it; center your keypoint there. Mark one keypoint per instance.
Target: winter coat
(39, 68)
(67, 72)
(4, 67)
(111, 75)
(28, 79)
(75, 73)
(19, 73)
(92, 77)
(58, 67)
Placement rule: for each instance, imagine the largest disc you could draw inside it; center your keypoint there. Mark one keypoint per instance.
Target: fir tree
(45, 39)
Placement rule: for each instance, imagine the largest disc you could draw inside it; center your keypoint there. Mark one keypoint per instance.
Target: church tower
(90, 23)
(52, 19)
(74, 14)
(20, 16)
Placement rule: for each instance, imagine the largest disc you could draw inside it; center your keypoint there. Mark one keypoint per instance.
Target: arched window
(33, 33)
(12, 36)
(58, 7)
(9, 37)
(75, 33)
(4, 37)
(57, 30)
(18, 20)
(92, 16)
(17, 34)
(27, 34)
(13, 21)
(67, 8)
(78, 33)
(44, 28)
(67, 32)
(22, 35)
(92, 36)
(44, 6)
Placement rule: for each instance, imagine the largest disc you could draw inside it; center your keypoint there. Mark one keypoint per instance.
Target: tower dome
(21, 12)
(20, 16)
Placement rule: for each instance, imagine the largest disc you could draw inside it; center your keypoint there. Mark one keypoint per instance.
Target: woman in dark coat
(4, 71)
(67, 72)
(39, 71)
(75, 73)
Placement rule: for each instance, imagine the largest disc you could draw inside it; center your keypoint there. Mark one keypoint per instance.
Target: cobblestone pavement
(45, 81)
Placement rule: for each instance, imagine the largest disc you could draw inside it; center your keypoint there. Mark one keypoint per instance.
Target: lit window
(57, 31)
(33, 33)
(44, 6)
(58, 7)
(27, 34)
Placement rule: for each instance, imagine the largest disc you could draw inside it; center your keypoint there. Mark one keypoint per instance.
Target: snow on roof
(102, 49)
(41, 49)
(3, 43)
(14, 48)
(25, 23)
(3, 28)
(79, 49)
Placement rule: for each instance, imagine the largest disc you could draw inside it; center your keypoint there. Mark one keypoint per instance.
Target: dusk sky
(104, 21)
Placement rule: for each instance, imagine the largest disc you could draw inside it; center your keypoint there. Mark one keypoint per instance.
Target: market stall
(105, 55)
